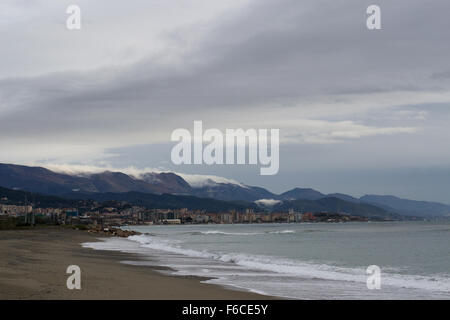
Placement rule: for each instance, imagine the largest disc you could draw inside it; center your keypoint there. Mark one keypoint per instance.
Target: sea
(301, 260)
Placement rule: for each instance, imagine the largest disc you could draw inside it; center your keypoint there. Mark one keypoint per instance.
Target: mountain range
(119, 186)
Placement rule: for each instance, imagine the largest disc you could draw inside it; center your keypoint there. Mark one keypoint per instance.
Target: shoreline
(33, 265)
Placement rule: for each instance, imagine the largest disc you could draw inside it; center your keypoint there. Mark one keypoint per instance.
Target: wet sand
(33, 265)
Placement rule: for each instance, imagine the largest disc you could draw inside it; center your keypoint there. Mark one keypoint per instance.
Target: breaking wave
(290, 267)
(217, 232)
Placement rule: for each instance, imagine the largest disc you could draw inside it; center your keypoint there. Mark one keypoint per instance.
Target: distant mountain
(408, 207)
(168, 201)
(233, 192)
(358, 209)
(342, 196)
(44, 181)
(84, 201)
(168, 181)
(41, 180)
(301, 193)
(119, 182)
(19, 197)
(150, 201)
(332, 204)
(37, 179)
(389, 204)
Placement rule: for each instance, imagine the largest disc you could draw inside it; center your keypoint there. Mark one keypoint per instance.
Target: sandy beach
(33, 266)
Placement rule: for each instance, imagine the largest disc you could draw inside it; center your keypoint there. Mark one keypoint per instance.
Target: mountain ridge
(170, 201)
(44, 181)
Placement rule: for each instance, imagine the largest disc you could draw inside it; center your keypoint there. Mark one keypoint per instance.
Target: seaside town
(119, 214)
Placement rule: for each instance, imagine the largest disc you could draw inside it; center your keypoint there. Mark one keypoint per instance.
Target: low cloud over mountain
(94, 183)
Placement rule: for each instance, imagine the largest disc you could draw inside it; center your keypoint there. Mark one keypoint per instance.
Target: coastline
(33, 266)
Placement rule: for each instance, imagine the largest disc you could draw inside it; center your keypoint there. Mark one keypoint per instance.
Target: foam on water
(273, 265)
(218, 232)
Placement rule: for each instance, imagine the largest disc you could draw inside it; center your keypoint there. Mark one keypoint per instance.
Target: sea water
(302, 260)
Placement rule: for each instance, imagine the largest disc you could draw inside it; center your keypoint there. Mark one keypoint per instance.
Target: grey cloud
(244, 64)
(281, 51)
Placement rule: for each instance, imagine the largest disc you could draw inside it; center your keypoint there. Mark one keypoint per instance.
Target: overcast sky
(359, 111)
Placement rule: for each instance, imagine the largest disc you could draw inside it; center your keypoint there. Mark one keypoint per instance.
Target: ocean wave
(218, 232)
(231, 233)
(298, 268)
(281, 231)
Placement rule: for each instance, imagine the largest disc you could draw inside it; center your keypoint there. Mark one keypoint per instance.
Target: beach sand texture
(33, 265)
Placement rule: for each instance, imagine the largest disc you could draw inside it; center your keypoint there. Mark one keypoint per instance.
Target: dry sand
(33, 266)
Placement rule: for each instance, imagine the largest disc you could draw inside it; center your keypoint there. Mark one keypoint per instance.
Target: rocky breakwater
(114, 232)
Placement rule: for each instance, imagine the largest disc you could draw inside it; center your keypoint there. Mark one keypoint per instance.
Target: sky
(359, 111)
